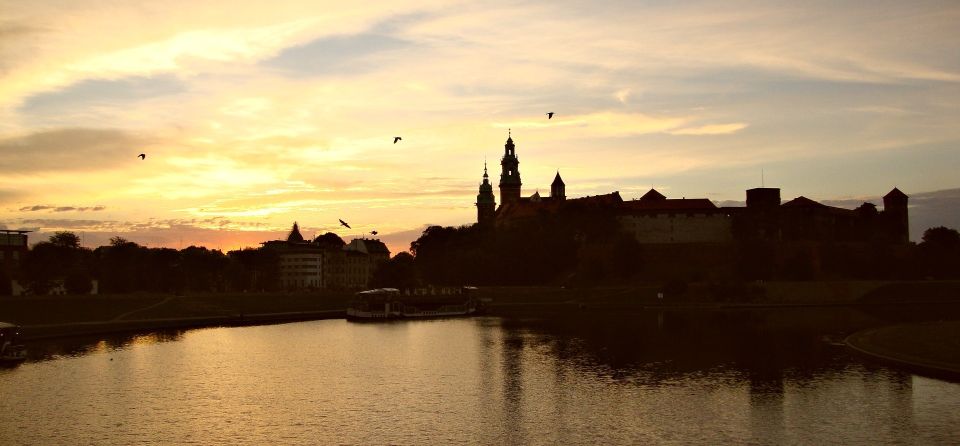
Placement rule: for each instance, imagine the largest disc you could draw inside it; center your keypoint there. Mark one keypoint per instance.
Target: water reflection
(48, 349)
(761, 346)
(758, 376)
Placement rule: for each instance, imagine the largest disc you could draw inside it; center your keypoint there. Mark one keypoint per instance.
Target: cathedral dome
(295, 236)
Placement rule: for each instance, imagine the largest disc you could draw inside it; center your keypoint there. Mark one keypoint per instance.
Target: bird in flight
(343, 223)
(396, 138)
(373, 232)
(549, 115)
(142, 156)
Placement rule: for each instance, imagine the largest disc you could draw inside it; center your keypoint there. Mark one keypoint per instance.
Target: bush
(78, 282)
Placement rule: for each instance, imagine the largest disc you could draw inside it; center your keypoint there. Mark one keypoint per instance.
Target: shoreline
(928, 348)
(54, 331)
(47, 317)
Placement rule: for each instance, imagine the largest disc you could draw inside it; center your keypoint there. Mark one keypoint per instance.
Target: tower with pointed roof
(486, 202)
(295, 236)
(558, 190)
(510, 174)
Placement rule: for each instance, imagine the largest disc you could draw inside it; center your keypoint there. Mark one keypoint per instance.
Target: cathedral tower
(895, 211)
(558, 190)
(486, 203)
(510, 175)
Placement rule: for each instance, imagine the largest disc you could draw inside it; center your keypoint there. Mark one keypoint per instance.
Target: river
(742, 377)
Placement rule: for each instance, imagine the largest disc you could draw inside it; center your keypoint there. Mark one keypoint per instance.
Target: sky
(259, 114)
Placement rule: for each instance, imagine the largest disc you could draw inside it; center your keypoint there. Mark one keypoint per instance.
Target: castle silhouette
(654, 219)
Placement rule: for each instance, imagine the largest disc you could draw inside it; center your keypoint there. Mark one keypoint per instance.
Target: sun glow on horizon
(287, 112)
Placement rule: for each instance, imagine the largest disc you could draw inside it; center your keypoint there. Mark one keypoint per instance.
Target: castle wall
(676, 227)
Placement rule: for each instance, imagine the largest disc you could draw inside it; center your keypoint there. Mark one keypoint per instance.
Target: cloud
(711, 129)
(93, 93)
(285, 111)
(42, 207)
(339, 55)
(70, 149)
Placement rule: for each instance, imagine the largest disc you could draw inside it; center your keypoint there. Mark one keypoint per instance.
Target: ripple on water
(468, 381)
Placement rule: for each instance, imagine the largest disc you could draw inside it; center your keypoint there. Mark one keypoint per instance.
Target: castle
(670, 225)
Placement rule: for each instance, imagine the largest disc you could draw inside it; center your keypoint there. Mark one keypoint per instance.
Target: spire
(558, 190)
(486, 203)
(557, 179)
(295, 236)
(510, 174)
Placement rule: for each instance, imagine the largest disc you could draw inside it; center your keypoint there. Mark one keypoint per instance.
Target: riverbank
(931, 348)
(733, 294)
(53, 316)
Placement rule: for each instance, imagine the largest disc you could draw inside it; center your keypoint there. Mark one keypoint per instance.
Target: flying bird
(142, 156)
(343, 223)
(396, 138)
(373, 232)
(549, 115)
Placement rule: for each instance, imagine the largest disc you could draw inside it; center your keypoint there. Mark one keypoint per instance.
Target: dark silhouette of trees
(548, 248)
(65, 239)
(253, 270)
(202, 268)
(330, 240)
(940, 253)
(398, 272)
(122, 266)
(568, 247)
(6, 288)
(126, 267)
(56, 259)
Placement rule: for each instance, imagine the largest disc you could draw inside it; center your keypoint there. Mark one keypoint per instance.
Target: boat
(11, 351)
(390, 303)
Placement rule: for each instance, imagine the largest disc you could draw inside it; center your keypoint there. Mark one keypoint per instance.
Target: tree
(65, 239)
(78, 281)
(398, 272)
(940, 253)
(6, 287)
(329, 240)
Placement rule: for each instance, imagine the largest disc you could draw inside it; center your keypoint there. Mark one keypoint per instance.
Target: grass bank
(931, 348)
(67, 315)
(50, 316)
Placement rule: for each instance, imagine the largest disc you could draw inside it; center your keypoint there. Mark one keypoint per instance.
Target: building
(689, 230)
(327, 262)
(486, 203)
(655, 218)
(13, 248)
(301, 262)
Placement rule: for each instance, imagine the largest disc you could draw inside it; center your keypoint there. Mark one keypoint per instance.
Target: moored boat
(11, 351)
(390, 303)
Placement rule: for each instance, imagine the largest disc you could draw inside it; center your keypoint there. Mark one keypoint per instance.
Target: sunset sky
(256, 114)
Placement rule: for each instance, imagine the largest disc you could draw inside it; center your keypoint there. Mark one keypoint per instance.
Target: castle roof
(895, 193)
(652, 194)
(557, 180)
(804, 202)
(367, 246)
(665, 204)
(605, 199)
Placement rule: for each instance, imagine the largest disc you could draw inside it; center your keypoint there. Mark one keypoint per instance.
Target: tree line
(124, 267)
(573, 248)
(579, 249)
